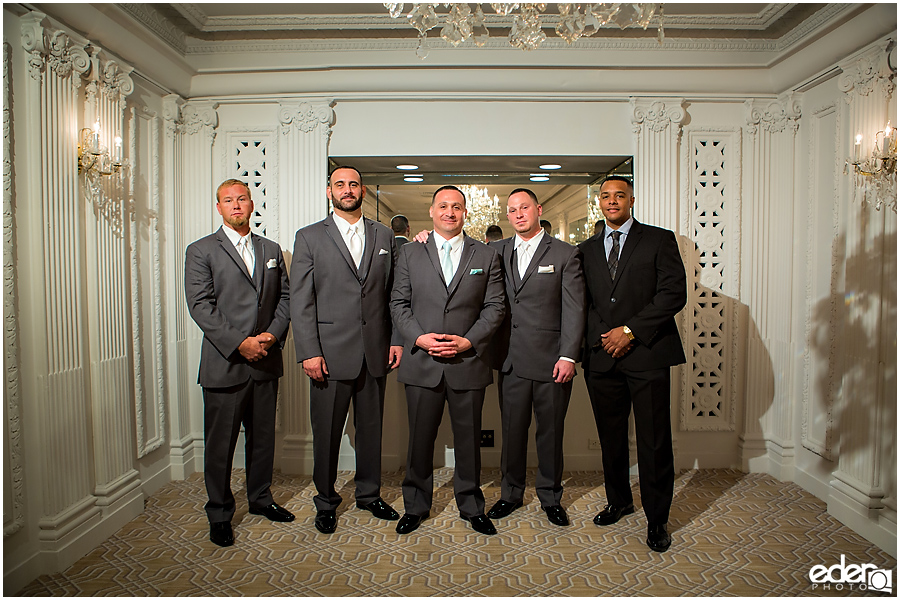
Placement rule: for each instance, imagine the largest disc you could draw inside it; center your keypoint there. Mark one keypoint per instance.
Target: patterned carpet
(734, 534)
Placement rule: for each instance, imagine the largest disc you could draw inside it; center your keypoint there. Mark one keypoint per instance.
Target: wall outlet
(487, 438)
(593, 444)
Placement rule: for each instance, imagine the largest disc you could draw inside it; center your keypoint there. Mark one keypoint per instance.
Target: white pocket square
(546, 269)
(271, 263)
(382, 251)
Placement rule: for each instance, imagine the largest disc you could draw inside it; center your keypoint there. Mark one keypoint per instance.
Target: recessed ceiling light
(407, 167)
(412, 179)
(550, 167)
(539, 178)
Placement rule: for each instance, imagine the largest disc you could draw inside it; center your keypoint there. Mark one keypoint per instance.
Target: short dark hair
(526, 191)
(338, 168)
(399, 224)
(448, 187)
(619, 178)
(493, 233)
(546, 224)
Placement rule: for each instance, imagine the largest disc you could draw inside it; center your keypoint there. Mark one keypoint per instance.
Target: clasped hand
(615, 342)
(443, 344)
(254, 348)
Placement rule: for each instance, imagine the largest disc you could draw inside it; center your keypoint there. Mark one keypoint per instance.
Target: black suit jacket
(546, 310)
(230, 306)
(649, 290)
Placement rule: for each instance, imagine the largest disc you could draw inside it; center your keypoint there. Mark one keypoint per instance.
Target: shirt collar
(533, 242)
(233, 236)
(455, 242)
(343, 224)
(624, 229)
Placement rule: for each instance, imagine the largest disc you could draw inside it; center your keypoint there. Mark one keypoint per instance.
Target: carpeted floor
(734, 534)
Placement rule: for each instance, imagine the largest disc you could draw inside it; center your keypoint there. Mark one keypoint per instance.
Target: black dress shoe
(326, 521)
(503, 509)
(273, 512)
(557, 515)
(611, 514)
(481, 524)
(410, 523)
(221, 533)
(658, 538)
(380, 509)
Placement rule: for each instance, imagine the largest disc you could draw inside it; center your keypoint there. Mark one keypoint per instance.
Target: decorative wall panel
(13, 472)
(250, 155)
(713, 223)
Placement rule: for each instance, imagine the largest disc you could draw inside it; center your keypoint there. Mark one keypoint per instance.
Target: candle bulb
(95, 139)
(886, 144)
(857, 147)
(118, 157)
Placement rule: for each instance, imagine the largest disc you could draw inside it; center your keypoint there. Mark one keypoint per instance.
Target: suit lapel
(468, 251)
(334, 233)
(631, 241)
(431, 251)
(259, 268)
(231, 251)
(539, 253)
(369, 250)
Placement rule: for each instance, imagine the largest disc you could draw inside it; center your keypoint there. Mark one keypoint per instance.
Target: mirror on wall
(563, 184)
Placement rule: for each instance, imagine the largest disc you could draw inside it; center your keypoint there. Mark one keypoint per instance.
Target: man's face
(235, 206)
(524, 214)
(345, 190)
(616, 202)
(448, 213)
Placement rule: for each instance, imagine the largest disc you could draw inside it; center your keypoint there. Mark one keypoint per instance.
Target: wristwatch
(627, 330)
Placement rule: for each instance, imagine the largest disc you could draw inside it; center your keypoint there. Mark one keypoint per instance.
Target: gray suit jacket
(230, 306)
(546, 310)
(472, 307)
(339, 312)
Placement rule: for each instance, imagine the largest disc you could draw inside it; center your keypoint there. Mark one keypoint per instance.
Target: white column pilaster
(767, 440)
(303, 155)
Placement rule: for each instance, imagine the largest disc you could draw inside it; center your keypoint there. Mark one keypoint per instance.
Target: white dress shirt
(529, 246)
(237, 240)
(345, 227)
(456, 246)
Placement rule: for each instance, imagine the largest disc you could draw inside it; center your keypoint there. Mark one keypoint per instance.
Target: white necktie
(356, 248)
(524, 258)
(446, 263)
(246, 254)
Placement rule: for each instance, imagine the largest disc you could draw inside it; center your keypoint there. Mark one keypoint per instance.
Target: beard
(236, 222)
(346, 204)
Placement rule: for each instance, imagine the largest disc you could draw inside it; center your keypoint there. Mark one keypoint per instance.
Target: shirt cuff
(566, 358)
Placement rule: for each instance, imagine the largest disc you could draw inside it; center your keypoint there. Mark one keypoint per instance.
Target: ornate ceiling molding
(159, 25)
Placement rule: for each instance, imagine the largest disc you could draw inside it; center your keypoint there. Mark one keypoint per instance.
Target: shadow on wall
(729, 375)
(854, 337)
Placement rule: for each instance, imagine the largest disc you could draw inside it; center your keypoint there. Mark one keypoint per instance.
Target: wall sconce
(93, 158)
(876, 175)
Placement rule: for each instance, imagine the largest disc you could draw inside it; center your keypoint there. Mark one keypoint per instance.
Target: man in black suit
(538, 345)
(400, 226)
(342, 274)
(447, 302)
(236, 287)
(636, 285)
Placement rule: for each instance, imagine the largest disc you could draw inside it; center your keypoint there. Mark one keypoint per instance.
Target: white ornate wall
(790, 325)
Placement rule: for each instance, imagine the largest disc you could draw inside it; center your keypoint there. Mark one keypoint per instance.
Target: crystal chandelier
(524, 21)
(875, 176)
(484, 211)
(95, 161)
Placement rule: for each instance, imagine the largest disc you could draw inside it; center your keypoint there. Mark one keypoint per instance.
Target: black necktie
(613, 260)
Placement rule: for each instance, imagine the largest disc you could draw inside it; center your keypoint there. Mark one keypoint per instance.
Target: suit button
(517, 300)
(363, 294)
(364, 322)
(446, 310)
(515, 326)
(612, 299)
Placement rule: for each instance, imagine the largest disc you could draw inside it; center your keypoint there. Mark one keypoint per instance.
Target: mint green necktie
(446, 263)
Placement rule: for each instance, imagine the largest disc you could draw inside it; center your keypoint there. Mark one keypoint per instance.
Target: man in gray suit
(448, 301)
(342, 273)
(538, 346)
(400, 226)
(236, 287)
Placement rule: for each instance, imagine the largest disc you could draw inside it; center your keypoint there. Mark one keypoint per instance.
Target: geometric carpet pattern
(733, 534)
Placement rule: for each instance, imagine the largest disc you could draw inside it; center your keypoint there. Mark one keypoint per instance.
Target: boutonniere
(272, 263)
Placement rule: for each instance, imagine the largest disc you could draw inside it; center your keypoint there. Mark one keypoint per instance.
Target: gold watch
(627, 330)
